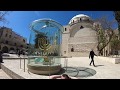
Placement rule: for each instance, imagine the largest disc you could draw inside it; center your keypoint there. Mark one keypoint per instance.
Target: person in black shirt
(1, 58)
(91, 55)
(19, 52)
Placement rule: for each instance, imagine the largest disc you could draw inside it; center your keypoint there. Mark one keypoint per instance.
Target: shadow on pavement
(98, 65)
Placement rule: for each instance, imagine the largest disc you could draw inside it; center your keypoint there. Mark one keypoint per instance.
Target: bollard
(24, 64)
(65, 63)
(20, 62)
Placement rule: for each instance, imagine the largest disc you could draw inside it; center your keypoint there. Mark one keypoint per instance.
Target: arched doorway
(5, 49)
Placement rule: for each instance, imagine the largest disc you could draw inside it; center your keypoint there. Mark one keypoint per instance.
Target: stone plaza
(103, 70)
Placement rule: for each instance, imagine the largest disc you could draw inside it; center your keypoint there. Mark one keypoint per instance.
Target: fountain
(44, 47)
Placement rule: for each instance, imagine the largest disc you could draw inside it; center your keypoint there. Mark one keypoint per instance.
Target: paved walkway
(3, 75)
(104, 69)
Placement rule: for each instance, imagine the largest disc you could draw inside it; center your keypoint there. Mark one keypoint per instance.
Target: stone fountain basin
(44, 69)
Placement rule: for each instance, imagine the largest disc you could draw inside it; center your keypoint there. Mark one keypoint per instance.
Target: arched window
(23, 40)
(64, 52)
(73, 21)
(9, 36)
(72, 49)
(6, 35)
(65, 29)
(80, 19)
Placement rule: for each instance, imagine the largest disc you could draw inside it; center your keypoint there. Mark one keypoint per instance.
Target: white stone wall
(64, 47)
(82, 49)
(65, 38)
(82, 40)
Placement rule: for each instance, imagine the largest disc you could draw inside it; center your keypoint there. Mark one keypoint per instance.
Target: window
(9, 36)
(23, 40)
(64, 52)
(6, 42)
(88, 20)
(117, 37)
(73, 21)
(72, 49)
(65, 29)
(80, 19)
(6, 35)
(81, 27)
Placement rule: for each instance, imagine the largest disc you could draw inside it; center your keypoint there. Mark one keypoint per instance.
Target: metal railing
(22, 60)
(23, 63)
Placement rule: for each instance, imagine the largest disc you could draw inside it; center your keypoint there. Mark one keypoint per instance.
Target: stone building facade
(9, 40)
(79, 37)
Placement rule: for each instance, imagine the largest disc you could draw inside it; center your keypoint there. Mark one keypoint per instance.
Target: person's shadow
(98, 65)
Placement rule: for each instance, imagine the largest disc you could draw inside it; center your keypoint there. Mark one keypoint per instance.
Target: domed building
(78, 37)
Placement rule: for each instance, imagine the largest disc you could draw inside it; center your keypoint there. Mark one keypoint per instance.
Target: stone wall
(81, 39)
(82, 49)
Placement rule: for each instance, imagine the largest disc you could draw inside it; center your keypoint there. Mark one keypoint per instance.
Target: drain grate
(79, 71)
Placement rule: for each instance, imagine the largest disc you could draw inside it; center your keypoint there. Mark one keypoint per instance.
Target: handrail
(20, 58)
(20, 62)
(23, 63)
(50, 56)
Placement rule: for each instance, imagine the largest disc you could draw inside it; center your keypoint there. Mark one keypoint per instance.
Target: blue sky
(19, 21)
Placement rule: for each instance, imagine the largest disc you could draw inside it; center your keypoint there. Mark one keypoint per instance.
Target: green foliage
(115, 43)
(117, 17)
(101, 39)
(104, 29)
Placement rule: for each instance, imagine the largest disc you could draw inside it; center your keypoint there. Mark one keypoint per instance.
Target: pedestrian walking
(91, 55)
(1, 58)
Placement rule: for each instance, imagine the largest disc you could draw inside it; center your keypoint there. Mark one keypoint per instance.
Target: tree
(117, 17)
(104, 28)
(2, 15)
(115, 43)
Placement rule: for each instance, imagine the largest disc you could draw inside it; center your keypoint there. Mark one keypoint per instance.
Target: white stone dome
(77, 17)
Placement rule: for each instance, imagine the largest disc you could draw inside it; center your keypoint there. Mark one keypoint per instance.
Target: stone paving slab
(104, 69)
(3, 75)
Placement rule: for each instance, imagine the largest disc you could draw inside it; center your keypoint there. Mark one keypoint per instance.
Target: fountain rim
(44, 19)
